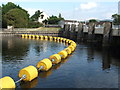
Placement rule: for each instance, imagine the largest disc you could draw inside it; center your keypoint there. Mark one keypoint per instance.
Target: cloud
(87, 6)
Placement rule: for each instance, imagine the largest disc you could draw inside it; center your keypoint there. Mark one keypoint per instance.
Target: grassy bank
(38, 29)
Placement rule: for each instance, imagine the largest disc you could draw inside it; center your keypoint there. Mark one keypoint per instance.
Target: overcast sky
(72, 10)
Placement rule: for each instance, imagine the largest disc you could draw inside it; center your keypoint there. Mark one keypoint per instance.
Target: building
(119, 7)
(42, 17)
(70, 22)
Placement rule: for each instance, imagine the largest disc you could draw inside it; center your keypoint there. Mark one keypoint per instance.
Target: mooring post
(80, 33)
(107, 34)
(91, 29)
(66, 32)
(73, 32)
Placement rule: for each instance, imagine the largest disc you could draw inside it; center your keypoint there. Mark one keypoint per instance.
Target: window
(42, 16)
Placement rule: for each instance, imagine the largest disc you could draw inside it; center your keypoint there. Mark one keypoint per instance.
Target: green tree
(6, 8)
(17, 18)
(36, 16)
(54, 20)
(116, 19)
(33, 24)
(60, 15)
(45, 21)
(92, 20)
(0, 17)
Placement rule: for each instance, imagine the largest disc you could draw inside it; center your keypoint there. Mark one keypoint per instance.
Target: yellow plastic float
(7, 83)
(46, 37)
(68, 50)
(44, 65)
(30, 73)
(55, 38)
(37, 36)
(41, 37)
(71, 47)
(26, 35)
(33, 36)
(23, 35)
(63, 54)
(55, 58)
(29, 36)
(64, 39)
(50, 38)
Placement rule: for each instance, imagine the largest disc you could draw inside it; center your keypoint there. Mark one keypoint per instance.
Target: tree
(116, 19)
(93, 20)
(0, 17)
(45, 21)
(60, 15)
(36, 16)
(6, 8)
(54, 20)
(17, 18)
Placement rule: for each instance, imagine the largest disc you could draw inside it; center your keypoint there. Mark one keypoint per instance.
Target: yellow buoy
(45, 63)
(22, 35)
(58, 38)
(73, 44)
(50, 37)
(55, 58)
(26, 35)
(71, 47)
(63, 54)
(46, 37)
(37, 36)
(33, 36)
(64, 39)
(29, 36)
(55, 38)
(61, 39)
(41, 37)
(7, 83)
(68, 50)
(30, 72)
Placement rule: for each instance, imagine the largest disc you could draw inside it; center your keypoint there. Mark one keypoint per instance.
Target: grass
(50, 29)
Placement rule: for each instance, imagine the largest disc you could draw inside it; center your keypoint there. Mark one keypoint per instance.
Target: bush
(32, 24)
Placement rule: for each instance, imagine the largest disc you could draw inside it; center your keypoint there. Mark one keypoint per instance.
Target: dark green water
(87, 67)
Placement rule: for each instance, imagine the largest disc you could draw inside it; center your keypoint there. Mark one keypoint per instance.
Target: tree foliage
(33, 24)
(6, 10)
(116, 19)
(36, 16)
(54, 19)
(93, 20)
(17, 18)
(0, 17)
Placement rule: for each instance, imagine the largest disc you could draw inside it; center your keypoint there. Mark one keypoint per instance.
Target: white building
(71, 22)
(119, 7)
(42, 17)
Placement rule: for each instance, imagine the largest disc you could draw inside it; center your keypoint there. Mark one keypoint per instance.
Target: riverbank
(54, 31)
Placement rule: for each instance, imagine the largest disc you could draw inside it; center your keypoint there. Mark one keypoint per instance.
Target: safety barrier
(29, 73)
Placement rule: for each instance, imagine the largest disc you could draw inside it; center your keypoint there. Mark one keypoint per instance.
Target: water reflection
(106, 60)
(31, 84)
(45, 74)
(90, 53)
(13, 48)
(110, 55)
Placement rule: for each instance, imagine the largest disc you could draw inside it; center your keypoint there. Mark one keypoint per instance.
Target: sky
(71, 9)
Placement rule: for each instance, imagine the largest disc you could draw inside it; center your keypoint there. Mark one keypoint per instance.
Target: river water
(89, 66)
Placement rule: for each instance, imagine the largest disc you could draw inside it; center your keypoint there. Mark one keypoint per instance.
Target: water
(87, 67)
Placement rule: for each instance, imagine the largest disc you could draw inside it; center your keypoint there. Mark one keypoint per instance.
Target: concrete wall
(91, 33)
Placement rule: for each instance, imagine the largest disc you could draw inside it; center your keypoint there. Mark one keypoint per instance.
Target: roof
(71, 21)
